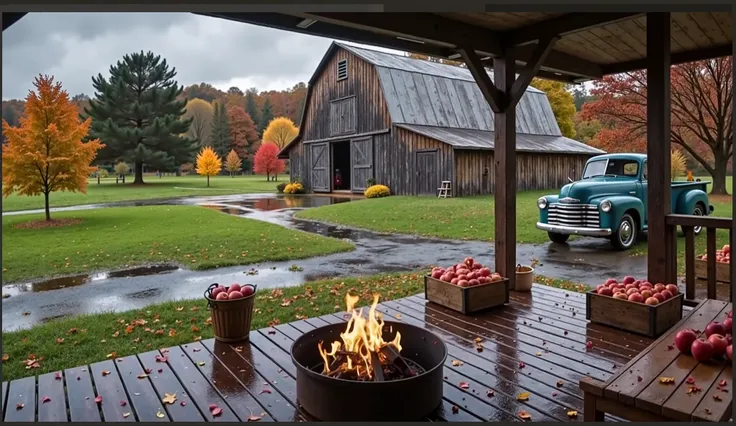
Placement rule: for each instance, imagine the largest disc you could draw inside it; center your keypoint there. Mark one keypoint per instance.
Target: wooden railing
(710, 225)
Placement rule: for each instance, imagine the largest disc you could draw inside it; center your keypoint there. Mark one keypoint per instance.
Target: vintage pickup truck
(610, 201)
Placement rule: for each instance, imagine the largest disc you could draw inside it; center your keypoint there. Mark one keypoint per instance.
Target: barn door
(361, 160)
(427, 178)
(320, 167)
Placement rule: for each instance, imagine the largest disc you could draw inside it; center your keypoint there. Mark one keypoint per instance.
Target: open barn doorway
(341, 166)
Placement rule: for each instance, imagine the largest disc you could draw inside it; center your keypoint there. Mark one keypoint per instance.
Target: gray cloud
(75, 46)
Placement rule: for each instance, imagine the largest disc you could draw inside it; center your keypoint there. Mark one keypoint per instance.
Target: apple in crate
(233, 287)
(437, 273)
(605, 291)
(666, 294)
(621, 295)
(221, 295)
(652, 301)
(672, 289)
(636, 297)
(247, 290)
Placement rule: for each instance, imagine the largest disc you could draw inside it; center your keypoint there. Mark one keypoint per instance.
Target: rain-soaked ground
(588, 261)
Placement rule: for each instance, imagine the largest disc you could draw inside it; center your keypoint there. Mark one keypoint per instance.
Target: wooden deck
(537, 344)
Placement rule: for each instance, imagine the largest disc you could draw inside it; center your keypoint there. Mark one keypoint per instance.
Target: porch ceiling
(591, 44)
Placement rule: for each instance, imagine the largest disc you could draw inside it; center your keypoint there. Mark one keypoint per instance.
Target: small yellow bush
(294, 188)
(377, 191)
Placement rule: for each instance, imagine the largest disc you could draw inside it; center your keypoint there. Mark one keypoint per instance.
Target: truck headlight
(605, 206)
(542, 203)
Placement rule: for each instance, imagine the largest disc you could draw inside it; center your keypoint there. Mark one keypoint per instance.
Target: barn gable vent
(342, 69)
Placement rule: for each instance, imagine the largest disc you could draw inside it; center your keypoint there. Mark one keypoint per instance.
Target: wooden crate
(466, 300)
(649, 320)
(723, 273)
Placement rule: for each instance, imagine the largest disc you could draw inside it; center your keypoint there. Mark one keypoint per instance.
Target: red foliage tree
(701, 113)
(243, 133)
(267, 162)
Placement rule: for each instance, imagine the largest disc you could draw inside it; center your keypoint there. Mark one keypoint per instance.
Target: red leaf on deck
(463, 385)
(690, 381)
(265, 391)
(45, 399)
(57, 375)
(19, 406)
(216, 412)
(639, 378)
(183, 403)
(98, 399)
(160, 358)
(589, 345)
(490, 393)
(123, 403)
(213, 406)
(722, 383)
(522, 365)
(455, 409)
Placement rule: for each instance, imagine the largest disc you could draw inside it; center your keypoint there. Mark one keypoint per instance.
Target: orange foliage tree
(45, 153)
(243, 132)
(701, 113)
(208, 163)
(233, 164)
(267, 162)
(280, 130)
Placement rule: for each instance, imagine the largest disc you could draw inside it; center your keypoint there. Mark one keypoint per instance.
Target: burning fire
(362, 343)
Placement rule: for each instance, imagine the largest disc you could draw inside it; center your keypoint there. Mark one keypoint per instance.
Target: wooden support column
(662, 248)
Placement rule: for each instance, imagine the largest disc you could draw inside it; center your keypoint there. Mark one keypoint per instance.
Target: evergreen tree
(137, 116)
(252, 108)
(220, 136)
(266, 116)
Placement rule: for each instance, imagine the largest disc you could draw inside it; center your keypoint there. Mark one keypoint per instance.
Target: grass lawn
(195, 237)
(165, 187)
(86, 339)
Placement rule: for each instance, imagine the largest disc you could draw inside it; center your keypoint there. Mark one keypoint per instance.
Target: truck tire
(699, 210)
(626, 234)
(558, 238)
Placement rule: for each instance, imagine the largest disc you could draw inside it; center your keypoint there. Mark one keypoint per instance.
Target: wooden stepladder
(445, 190)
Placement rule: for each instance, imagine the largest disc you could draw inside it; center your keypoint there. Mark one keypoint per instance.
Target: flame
(362, 336)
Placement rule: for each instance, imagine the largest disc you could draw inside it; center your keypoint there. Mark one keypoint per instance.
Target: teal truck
(610, 201)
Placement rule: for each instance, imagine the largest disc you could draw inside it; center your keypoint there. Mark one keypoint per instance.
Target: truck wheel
(625, 236)
(698, 211)
(558, 238)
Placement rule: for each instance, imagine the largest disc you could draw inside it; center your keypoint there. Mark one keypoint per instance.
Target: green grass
(165, 187)
(195, 237)
(92, 338)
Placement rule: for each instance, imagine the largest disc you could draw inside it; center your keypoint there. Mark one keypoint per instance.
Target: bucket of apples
(231, 309)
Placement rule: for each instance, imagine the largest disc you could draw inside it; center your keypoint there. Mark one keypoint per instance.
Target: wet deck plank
(537, 344)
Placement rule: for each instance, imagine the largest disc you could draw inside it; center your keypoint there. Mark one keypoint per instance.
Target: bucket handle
(208, 292)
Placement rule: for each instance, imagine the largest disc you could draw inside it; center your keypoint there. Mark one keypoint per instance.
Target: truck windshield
(613, 168)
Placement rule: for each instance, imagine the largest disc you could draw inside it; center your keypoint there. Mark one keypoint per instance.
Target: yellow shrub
(678, 164)
(294, 188)
(377, 191)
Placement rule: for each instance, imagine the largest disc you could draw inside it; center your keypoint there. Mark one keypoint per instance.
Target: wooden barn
(411, 124)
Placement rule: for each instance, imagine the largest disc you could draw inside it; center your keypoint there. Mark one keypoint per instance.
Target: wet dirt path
(588, 261)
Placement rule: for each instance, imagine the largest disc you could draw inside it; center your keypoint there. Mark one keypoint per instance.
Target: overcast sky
(75, 46)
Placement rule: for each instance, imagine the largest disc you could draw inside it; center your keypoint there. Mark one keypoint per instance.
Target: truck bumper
(571, 230)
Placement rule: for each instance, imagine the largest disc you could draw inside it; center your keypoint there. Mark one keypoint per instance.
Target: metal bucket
(231, 319)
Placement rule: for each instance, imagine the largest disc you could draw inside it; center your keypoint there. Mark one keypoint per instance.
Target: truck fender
(620, 205)
(686, 202)
(543, 213)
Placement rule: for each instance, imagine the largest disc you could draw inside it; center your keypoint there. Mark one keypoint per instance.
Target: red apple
(702, 350)
(666, 294)
(628, 280)
(454, 281)
(610, 281)
(469, 262)
(631, 291)
(646, 294)
(659, 296)
(450, 274)
(636, 297)
(729, 352)
(727, 249)
(472, 276)
(621, 295)
(600, 287)
(216, 291)
(233, 287)
(719, 344)
(728, 325)
(651, 300)
(463, 283)
(437, 274)
(474, 282)
(234, 295)
(247, 290)
(715, 328)
(485, 272)
(659, 286)
(605, 291)
(684, 340)
(672, 289)
(462, 277)
(477, 266)
(630, 286)
(221, 296)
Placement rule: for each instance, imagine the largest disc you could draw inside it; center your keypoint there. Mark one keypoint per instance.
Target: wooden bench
(636, 392)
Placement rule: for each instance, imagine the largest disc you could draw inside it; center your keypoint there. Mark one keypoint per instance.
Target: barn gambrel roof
(424, 95)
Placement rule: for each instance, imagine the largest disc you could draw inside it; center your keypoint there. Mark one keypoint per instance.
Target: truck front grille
(576, 215)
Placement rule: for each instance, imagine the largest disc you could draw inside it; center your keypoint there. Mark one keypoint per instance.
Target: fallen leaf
(560, 383)
(45, 399)
(160, 358)
(213, 406)
(524, 396)
(254, 418)
(572, 414)
(116, 334)
(59, 340)
(463, 385)
(539, 354)
(180, 308)
(670, 347)
(200, 363)
(172, 332)
(125, 415)
(723, 383)
(57, 375)
(690, 381)
(639, 378)
(19, 406)
(265, 391)
(717, 397)
(693, 389)
(397, 316)
(160, 415)
(98, 399)
(195, 329)
(142, 376)
(456, 363)
(160, 370)
(455, 409)
(238, 349)
(216, 412)
(490, 393)
(129, 329)
(707, 411)
(524, 415)
(105, 373)
(196, 349)
(522, 365)
(183, 403)
(666, 380)
(589, 345)
(112, 355)
(6, 357)
(123, 403)
(169, 398)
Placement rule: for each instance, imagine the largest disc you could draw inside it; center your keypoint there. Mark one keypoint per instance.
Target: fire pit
(369, 370)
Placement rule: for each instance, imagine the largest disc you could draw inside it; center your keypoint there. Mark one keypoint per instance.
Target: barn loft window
(342, 69)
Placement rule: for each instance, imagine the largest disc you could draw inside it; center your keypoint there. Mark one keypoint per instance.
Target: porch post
(504, 157)
(662, 247)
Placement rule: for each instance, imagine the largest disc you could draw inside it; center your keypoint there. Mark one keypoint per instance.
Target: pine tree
(220, 136)
(137, 115)
(252, 108)
(266, 116)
